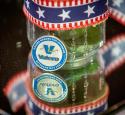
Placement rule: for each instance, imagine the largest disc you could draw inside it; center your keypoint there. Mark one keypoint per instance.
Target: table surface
(14, 49)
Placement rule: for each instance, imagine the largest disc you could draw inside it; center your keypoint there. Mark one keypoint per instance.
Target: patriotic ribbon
(117, 10)
(64, 15)
(33, 108)
(113, 53)
(15, 90)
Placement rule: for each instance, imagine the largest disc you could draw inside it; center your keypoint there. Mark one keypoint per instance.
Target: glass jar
(84, 84)
(64, 64)
(81, 43)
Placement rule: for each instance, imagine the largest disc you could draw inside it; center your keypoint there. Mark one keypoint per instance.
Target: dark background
(14, 48)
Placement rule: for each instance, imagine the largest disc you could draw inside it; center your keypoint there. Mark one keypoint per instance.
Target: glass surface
(82, 71)
(81, 43)
(85, 84)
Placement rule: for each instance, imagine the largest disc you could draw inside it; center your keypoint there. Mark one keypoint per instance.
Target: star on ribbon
(107, 3)
(27, 4)
(90, 113)
(117, 2)
(14, 95)
(40, 13)
(116, 51)
(41, 113)
(65, 14)
(90, 10)
(106, 107)
(30, 104)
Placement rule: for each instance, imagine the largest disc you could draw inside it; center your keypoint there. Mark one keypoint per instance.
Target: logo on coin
(50, 88)
(49, 53)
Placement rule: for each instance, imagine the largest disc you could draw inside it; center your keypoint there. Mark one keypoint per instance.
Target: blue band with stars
(117, 10)
(113, 53)
(32, 108)
(55, 18)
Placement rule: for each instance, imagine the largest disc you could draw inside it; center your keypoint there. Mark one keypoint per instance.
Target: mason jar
(80, 43)
(83, 85)
(64, 64)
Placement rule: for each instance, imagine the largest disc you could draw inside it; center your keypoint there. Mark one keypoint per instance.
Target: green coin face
(50, 88)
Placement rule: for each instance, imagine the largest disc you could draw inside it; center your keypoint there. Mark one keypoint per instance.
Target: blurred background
(14, 48)
(14, 45)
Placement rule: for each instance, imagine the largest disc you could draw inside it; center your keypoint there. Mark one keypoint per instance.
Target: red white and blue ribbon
(64, 15)
(78, 110)
(117, 10)
(113, 53)
(15, 90)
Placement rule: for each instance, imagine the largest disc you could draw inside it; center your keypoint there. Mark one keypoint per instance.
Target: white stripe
(68, 111)
(61, 4)
(55, 25)
(74, 111)
(78, 23)
(46, 108)
(42, 107)
(119, 16)
(73, 24)
(45, 25)
(94, 20)
(37, 21)
(44, 3)
(83, 109)
(61, 25)
(89, 1)
(67, 3)
(123, 19)
(98, 105)
(67, 25)
(73, 3)
(37, 1)
(62, 111)
(40, 23)
(57, 111)
(79, 2)
(33, 19)
(93, 106)
(51, 110)
(83, 22)
(50, 25)
(79, 110)
(89, 108)
(89, 21)
(102, 16)
(55, 4)
(114, 12)
(50, 4)
(40, 3)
